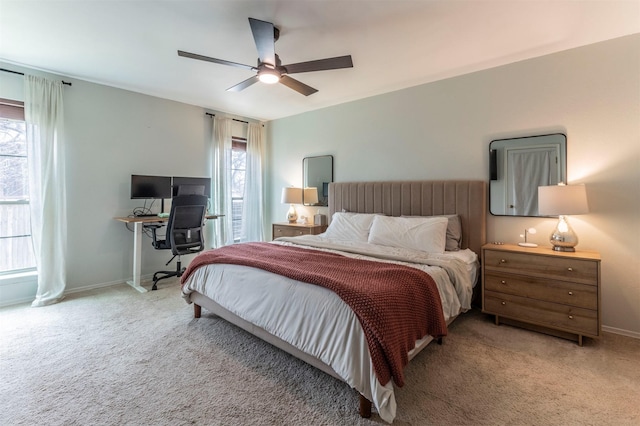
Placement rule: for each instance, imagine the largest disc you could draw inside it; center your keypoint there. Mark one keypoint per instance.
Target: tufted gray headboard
(466, 198)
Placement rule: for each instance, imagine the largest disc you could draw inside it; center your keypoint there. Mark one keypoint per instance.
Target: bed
(312, 322)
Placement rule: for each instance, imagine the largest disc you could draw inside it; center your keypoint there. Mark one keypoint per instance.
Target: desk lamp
(562, 200)
(526, 243)
(291, 195)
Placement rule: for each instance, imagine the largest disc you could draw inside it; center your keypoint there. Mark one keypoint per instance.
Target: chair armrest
(153, 227)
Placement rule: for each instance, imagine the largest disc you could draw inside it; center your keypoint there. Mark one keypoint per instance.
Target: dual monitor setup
(161, 187)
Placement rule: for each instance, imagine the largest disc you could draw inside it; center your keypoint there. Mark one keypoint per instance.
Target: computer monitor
(190, 184)
(143, 186)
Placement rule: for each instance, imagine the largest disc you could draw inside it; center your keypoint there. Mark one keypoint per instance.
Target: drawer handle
(570, 316)
(570, 293)
(504, 303)
(503, 282)
(300, 232)
(570, 269)
(503, 261)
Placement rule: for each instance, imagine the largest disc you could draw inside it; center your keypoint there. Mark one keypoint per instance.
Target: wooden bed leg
(440, 341)
(365, 407)
(197, 310)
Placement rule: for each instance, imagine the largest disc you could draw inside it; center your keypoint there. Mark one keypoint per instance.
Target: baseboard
(622, 332)
(102, 285)
(11, 301)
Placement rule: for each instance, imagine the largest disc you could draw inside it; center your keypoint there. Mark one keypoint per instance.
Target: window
(16, 249)
(238, 172)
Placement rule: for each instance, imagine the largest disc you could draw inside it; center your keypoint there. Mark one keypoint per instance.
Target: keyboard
(146, 215)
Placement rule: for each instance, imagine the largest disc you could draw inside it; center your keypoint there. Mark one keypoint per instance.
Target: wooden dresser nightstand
(553, 292)
(286, 229)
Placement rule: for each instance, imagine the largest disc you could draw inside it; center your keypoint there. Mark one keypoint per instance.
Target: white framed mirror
(517, 166)
(317, 172)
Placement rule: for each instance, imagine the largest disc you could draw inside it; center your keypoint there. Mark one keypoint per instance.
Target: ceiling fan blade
(243, 85)
(297, 86)
(263, 34)
(321, 65)
(214, 60)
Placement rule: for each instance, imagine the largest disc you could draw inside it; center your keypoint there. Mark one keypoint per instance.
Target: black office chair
(184, 232)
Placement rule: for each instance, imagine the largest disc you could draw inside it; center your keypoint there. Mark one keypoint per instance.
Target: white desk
(137, 244)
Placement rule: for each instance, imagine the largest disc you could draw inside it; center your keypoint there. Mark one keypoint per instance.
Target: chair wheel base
(161, 275)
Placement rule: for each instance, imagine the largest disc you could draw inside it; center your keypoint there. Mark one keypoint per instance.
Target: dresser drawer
(579, 295)
(562, 317)
(550, 267)
(287, 231)
(296, 229)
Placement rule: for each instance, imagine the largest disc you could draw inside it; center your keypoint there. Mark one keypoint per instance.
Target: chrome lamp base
(565, 249)
(563, 237)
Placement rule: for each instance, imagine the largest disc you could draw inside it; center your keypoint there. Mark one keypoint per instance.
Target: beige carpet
(116, 357)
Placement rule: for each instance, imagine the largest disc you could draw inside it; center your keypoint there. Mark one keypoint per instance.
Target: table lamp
(562, 200)
(291, 195)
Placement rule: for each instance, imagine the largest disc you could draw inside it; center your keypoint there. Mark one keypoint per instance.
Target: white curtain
(253, 206)
(221, 185)
(530, 169)
(47, 190)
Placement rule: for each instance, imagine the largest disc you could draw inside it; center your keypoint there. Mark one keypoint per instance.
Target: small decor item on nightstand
(319, 219)
(527, 231)
(562, 200)
(292, 195)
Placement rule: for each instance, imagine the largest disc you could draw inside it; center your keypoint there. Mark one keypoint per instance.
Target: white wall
(442, 130)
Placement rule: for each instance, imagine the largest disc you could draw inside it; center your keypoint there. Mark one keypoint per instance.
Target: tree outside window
(16, 249)
(238, 173)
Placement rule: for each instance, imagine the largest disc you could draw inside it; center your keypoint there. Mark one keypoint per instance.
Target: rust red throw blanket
(395, 304)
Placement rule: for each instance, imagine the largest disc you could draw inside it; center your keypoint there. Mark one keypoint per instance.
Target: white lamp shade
(291, 195)
(311, 195)
(562, 200)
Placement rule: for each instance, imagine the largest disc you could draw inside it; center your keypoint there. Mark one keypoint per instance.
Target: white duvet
(316, 320)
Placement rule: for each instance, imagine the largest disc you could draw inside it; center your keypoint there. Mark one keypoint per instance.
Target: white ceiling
(394, 43)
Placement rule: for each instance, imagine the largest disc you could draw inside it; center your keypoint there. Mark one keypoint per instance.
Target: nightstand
(552, 292)
(286, 229)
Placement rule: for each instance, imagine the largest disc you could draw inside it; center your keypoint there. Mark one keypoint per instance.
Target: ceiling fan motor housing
(278, 63)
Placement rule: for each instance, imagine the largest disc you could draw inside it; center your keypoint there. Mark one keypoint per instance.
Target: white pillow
(350, 226)
(426, 234)
(454, 231)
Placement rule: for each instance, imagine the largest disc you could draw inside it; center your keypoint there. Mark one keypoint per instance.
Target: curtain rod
(234, 119)
(21, 73)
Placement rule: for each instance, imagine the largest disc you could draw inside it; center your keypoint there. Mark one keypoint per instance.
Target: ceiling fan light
(269, 76)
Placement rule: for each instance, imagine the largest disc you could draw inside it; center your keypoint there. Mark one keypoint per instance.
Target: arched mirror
(518, 166)
(317, 172)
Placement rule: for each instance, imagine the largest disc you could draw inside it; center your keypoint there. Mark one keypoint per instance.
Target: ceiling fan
(269, 69)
